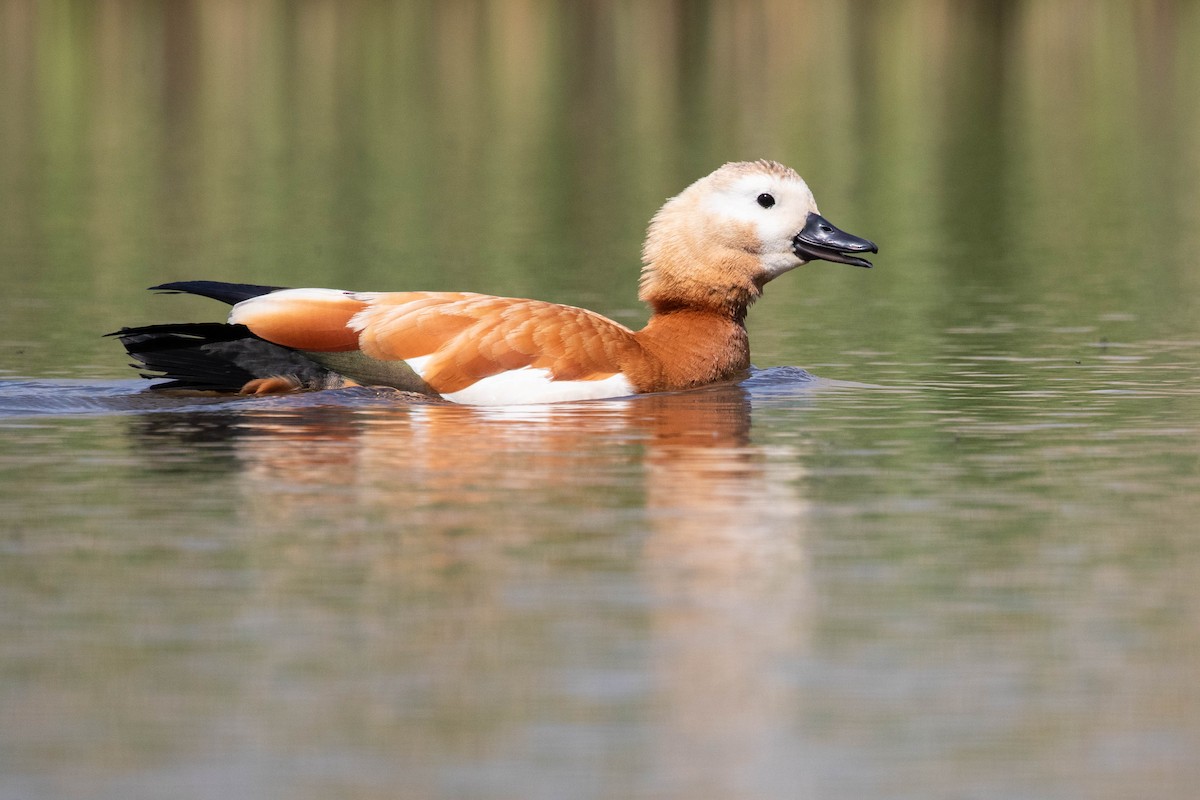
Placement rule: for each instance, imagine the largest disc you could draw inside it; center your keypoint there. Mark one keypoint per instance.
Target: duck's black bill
(821, 240)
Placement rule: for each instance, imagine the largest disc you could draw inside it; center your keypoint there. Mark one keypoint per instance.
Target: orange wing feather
(303, 319)
(468, 337)
(465, 336)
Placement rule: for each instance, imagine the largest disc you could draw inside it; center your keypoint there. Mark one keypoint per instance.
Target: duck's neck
(699, 294)
(692, 347)
(720, 284)
(729, 304)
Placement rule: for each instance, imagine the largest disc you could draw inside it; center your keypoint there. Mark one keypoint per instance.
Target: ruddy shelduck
(708, 253)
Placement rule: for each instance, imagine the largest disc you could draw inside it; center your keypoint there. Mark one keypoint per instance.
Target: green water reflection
(969, 571)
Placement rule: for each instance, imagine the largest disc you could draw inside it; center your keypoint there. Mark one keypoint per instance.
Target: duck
(709, 252)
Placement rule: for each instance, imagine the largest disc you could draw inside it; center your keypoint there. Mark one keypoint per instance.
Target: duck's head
(725, 236)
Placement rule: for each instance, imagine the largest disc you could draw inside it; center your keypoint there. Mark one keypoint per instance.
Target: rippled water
(791, 585)
(943, 543)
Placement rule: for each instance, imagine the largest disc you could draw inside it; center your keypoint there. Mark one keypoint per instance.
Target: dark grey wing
(216, 356)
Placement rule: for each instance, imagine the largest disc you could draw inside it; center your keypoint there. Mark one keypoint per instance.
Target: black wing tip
(217, 290)
(200, 331)
(214, 356)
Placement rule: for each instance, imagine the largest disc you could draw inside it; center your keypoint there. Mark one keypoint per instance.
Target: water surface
(942, 543)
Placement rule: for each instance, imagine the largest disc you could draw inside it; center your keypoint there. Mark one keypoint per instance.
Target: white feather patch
(776, 224)
(528, 385)
(418, 364)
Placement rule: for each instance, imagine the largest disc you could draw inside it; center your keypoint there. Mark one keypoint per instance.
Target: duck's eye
(765, 200)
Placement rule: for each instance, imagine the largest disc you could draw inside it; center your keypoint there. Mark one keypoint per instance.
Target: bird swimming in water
(709, 252)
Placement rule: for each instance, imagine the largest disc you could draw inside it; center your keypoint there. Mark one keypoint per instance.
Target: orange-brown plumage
(708, 254)
(465, 337)
(307, 324)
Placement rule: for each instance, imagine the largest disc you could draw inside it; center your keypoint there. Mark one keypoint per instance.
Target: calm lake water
(943, 543)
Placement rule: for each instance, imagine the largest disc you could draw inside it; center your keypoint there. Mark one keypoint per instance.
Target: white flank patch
(418, 364)
(528, 385)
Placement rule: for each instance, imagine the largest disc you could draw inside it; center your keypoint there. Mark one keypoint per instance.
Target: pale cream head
(726, 235)
(769, 197)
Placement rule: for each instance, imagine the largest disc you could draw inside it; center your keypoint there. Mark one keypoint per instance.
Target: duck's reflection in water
(707, 526)
(725, 561)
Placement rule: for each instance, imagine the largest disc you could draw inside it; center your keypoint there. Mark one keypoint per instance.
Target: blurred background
(964, 563)
(520, 147)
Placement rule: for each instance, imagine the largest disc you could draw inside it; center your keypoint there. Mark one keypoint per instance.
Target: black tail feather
(217, 290)
(215, 356)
